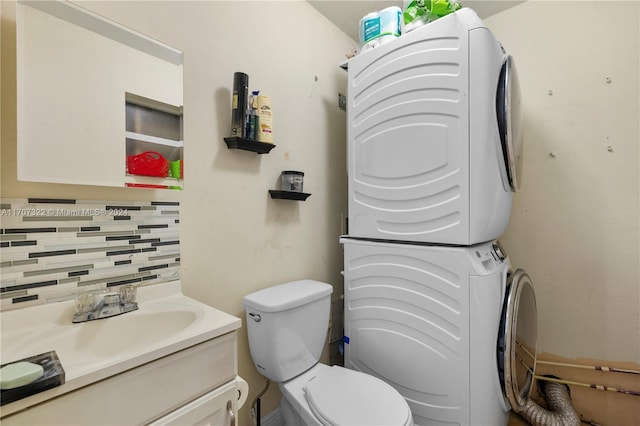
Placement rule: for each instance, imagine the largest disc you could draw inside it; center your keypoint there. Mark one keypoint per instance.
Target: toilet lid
(341, 396)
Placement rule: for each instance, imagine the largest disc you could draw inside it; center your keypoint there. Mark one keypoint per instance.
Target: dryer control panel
(498, 252)
(490, 256)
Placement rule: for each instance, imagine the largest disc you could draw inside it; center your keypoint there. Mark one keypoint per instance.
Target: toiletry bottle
(239, 103)
(265, 119)
(252, 115)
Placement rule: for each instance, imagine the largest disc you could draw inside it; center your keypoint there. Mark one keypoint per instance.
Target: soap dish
(53, 376)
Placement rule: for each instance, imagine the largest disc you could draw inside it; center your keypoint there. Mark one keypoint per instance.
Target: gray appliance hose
(560, 413)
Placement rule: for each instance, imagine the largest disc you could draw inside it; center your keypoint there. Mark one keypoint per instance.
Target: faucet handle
(127, 294)
(86, 303)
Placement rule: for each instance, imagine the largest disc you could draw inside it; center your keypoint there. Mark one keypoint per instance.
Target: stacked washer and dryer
(432, 305)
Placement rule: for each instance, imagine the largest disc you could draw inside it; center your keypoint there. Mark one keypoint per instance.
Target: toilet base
(291, 417)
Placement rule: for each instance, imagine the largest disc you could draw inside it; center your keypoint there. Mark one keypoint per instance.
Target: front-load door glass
(518, 339)
(510, 120)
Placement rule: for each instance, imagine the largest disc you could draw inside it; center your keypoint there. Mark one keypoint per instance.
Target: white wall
(575, 221)
(234, 238)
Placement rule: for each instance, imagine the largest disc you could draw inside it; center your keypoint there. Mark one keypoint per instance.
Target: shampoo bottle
(265, 119)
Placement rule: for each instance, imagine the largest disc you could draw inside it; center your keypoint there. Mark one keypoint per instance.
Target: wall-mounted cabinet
(154, 146)
(77, 76)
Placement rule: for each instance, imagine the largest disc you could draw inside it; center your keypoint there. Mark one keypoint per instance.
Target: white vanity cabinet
(195, 386)
(212, 409)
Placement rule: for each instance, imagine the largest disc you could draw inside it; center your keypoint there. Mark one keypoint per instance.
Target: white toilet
(287, 327)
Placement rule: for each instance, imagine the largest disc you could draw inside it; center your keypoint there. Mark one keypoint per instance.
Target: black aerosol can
(239, 103)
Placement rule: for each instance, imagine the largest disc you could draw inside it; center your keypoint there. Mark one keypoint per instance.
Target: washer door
(517, 340)
(509, 116)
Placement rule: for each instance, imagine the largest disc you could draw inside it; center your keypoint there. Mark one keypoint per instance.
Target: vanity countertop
(166, 322)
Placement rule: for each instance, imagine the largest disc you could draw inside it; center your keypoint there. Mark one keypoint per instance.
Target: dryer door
(510, 120)
(517, 340)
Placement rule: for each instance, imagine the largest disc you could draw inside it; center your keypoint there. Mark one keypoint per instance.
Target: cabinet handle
(232, 417)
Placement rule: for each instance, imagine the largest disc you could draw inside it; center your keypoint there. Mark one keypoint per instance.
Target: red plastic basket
(149, 163)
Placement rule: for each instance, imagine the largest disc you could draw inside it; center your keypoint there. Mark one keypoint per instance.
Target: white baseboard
(274, 418)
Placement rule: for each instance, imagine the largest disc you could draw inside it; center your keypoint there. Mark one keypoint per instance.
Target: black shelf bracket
(289, 195)
(236, 142)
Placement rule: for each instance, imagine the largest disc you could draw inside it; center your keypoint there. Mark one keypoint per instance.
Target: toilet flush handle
(255, 317)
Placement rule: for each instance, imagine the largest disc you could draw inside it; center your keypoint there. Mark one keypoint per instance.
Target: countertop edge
(228, 324)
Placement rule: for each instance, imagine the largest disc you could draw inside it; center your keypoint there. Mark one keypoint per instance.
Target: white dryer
(451, 328)
(433, 135)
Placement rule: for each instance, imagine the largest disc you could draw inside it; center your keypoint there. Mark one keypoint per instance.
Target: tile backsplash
(52, 249)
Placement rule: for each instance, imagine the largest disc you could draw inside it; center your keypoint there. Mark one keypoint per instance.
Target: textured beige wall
(575, 222)
(234, 238)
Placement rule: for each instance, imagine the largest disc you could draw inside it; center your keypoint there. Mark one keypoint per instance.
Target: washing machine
(434, 135)
(453, 329)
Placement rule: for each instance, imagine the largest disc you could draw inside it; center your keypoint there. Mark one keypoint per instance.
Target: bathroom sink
(89, 342)
(166, 322)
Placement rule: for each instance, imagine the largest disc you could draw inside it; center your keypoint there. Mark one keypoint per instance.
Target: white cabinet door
(216, 408)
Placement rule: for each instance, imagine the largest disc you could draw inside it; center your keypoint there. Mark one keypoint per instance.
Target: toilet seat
(338, 396)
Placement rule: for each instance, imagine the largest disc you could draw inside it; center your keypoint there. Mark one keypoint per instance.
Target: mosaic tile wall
(51, 249)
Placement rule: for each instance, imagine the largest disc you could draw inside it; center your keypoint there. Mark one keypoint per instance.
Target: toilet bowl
(287, 326)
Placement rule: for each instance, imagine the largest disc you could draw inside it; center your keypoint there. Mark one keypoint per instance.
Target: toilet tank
(287, 326)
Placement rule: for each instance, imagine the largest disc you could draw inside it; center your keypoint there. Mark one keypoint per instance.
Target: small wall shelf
(289, 195)
(236, 142)
(153, 139)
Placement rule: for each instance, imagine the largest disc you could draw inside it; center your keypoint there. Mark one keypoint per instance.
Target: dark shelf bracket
(236, 142)
(289, 195)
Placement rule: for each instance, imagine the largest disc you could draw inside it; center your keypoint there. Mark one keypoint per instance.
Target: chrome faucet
(92, 306)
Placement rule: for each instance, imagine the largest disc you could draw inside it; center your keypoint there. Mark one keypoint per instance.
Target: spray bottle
(239, 103)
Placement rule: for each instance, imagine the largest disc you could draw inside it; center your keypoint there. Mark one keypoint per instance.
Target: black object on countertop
(53, 376)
